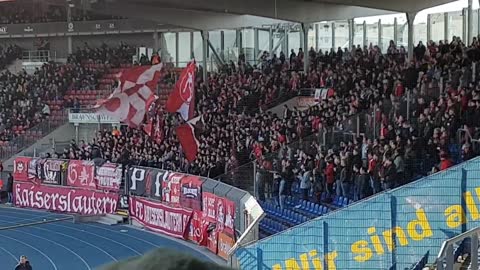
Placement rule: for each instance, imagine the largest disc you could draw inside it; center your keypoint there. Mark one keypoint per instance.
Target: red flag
(186, 136)
(182, 98)
(132, 98)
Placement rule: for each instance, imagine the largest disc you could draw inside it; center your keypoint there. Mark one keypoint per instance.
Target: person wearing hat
(23, 264)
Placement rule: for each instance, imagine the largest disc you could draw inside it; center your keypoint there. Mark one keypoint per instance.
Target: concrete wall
(45, 144)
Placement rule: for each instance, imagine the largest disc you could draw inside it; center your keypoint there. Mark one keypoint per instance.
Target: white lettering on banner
(211, 207)
(158, 184)
(65, 200)
(229, 219)
(90, 118)
(109, 176)
(190, 192)
(168, 220)
(138, 175)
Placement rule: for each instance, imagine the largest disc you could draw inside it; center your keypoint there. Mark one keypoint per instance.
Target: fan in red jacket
(445, 162)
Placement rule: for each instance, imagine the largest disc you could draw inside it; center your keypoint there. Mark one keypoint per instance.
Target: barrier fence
(32, 135)
(188, 207)
(392, 230)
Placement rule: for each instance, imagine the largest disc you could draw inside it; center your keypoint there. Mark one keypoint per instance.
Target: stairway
(112, 219)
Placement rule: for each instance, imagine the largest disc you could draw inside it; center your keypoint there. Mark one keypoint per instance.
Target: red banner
(109, 176)
(225, 243)
(195, 232)
(158, 217)
(33, 173)
(212, 241)
(64, 199)
(209, 201)
(171, 189)
(220, 212)
(81, 174)
(229, 217)
(191, 192)
(20, 168)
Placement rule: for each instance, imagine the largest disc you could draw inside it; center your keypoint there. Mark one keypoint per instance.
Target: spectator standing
(286, 182)
(305, 182)
(10, 188)
(24, 264)
(330, 175)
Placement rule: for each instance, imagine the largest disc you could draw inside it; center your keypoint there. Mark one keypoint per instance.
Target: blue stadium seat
(324, 196)
(324, 210)
(345, 201)
(335, 200)
(303, 205)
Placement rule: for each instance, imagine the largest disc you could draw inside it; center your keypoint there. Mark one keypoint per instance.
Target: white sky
(422, 16)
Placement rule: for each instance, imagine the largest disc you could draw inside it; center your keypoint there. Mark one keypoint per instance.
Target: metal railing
(243, 176)
(446, 255)
(38, 56)
(23, 141)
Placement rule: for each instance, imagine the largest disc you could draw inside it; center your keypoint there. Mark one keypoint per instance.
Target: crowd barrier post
(408, 103)
(255, 184)
(441, 85)
(474, 71)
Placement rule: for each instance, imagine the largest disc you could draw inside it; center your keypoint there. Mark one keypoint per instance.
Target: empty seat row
(271, 226)
(288, 216)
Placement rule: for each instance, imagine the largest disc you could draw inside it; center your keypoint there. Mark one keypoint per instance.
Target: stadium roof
(221, 14)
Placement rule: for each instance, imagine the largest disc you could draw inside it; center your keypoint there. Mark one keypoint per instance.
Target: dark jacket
(25, 266)
(9, 184)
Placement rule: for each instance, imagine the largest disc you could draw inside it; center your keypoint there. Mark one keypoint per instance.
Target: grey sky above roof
(218, 14)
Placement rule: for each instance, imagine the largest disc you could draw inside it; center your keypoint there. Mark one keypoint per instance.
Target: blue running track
(64, 245)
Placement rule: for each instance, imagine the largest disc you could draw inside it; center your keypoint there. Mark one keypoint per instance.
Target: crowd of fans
(111, 56)
(232, 132)
(19, 13)
(24, 97)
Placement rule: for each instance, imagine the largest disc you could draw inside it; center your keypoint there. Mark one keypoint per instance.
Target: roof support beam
(205, 53)
(410, 20)
(304, 35)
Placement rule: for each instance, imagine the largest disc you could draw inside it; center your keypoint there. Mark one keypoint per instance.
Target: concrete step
(116, 217)
(107, 221)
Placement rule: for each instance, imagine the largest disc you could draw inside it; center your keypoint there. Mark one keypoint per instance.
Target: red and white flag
(188, 141)
(182, 98)
(132, 98)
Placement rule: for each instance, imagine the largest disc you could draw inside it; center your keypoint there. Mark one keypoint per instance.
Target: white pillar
(351, 33)
(445, 26)
(365, 34)
(177, 50)
(205, 52)
(156, 44)
(317, 33)
(306, 61)
(69, 45)
(380, 33)
(222, 45)
(256, 45)
(332, 25)
(469, 23)
(192, 45)
(270, 39)
(429, 27)
(410, 20)
(395, 30)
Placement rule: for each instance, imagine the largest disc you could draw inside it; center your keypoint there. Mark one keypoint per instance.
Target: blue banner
(392, 230)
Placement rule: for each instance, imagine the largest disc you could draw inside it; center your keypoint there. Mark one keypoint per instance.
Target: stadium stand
(312, 179)
(22, 13)
(31, 102)
(386, 120)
